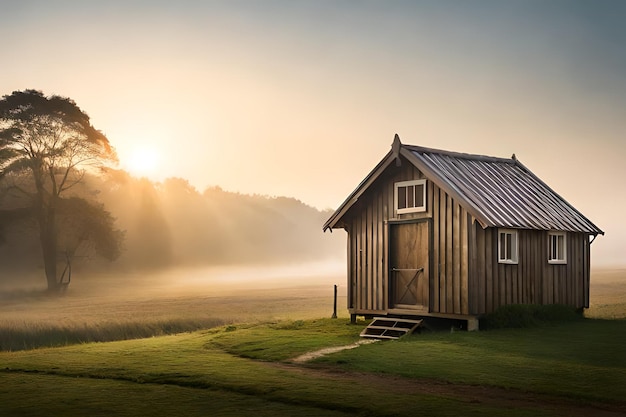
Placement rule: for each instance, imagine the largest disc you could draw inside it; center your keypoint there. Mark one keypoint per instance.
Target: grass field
(104, 308)
(608, 294)
(244, 365)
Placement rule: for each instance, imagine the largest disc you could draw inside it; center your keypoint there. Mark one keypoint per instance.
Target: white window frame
(414, 209)
(514, 246)
(557, 259)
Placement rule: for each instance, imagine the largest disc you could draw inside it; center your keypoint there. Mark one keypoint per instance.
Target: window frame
(514, 259)
(557, 261)
(414, 209)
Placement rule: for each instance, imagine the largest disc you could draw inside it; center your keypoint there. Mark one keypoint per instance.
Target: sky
(303, 98)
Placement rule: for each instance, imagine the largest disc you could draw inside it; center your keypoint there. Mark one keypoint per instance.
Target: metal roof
(498, 192)
(503, 192)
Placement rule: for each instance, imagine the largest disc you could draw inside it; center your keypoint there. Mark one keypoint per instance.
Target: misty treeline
(63, 202)
(171, 223)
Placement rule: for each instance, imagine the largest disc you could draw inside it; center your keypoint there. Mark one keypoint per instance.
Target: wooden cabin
(453, 235)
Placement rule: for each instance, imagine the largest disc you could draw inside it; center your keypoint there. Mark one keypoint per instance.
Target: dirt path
(483, 395)
(309, 356)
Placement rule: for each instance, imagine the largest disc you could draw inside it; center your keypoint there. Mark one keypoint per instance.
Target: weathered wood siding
(449, 253)
(368, 241)
(532, 280)
(368, 246)
(464, 276)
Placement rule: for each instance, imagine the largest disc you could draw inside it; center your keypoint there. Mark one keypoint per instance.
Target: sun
(142, 161)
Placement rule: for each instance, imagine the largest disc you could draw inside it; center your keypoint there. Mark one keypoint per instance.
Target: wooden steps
(390, 327)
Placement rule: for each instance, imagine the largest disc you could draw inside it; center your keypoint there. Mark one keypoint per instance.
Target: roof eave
(413, 155)
(596, 230)
(336, 217)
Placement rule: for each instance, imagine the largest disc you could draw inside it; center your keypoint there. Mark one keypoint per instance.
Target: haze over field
(171, 225)
(302, 99)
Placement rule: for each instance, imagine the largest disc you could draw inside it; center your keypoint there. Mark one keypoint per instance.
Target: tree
(52, 140)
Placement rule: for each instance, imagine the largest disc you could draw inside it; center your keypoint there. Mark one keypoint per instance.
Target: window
(557, 248)
(410, 196)
(507, 246)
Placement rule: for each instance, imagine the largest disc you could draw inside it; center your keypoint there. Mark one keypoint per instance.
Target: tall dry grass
(607, 295)
(105, 308)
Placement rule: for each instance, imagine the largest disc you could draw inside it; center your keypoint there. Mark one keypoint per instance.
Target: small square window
(557, 248)
(507, 246)
(410, 196)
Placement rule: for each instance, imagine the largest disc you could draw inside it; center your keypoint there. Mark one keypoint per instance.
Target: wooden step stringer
(390, 327)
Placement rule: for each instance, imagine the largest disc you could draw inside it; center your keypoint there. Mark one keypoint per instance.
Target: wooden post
(334, 316)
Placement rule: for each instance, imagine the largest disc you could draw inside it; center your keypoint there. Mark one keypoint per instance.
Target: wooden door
(409, 275)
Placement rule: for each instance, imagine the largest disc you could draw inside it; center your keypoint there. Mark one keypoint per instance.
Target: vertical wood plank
(369, 240)
(530, 271)
(564, 284)
(349, 256)
(549, 284)
(512, 284)
(505, 274)
(376, 296)
(355, 261)
(516, 280)
(521, 282)
(363, 258)
(497, 272)
(449, 258)
(472, 270)
(443, 234)
(464, 293)
(539, 271)
(430, 203)
(570, 270)
(385, 253)
(557, 284)
(534, 277)
(358, 259)
(483, 290)
(577, 259)
(587, 269)
(521, 268)
(388, 214)
(502, 277)
(489, 273)
(456, 258)
(547, 281)
(435, 245)
(380, 258)
(573, 255)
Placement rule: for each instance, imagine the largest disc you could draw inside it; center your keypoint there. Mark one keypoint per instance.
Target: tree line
(173, 224)
(63, 203)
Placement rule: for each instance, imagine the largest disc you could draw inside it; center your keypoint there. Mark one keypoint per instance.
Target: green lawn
(189, 361)
(51, 395)
(235, 369)
(584, 360)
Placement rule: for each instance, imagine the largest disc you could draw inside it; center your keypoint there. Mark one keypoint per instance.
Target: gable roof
(498, 192)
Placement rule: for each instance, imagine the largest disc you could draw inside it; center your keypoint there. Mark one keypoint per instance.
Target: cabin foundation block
(472, 325)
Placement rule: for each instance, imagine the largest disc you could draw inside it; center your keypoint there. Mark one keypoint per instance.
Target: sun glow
(142, 161)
